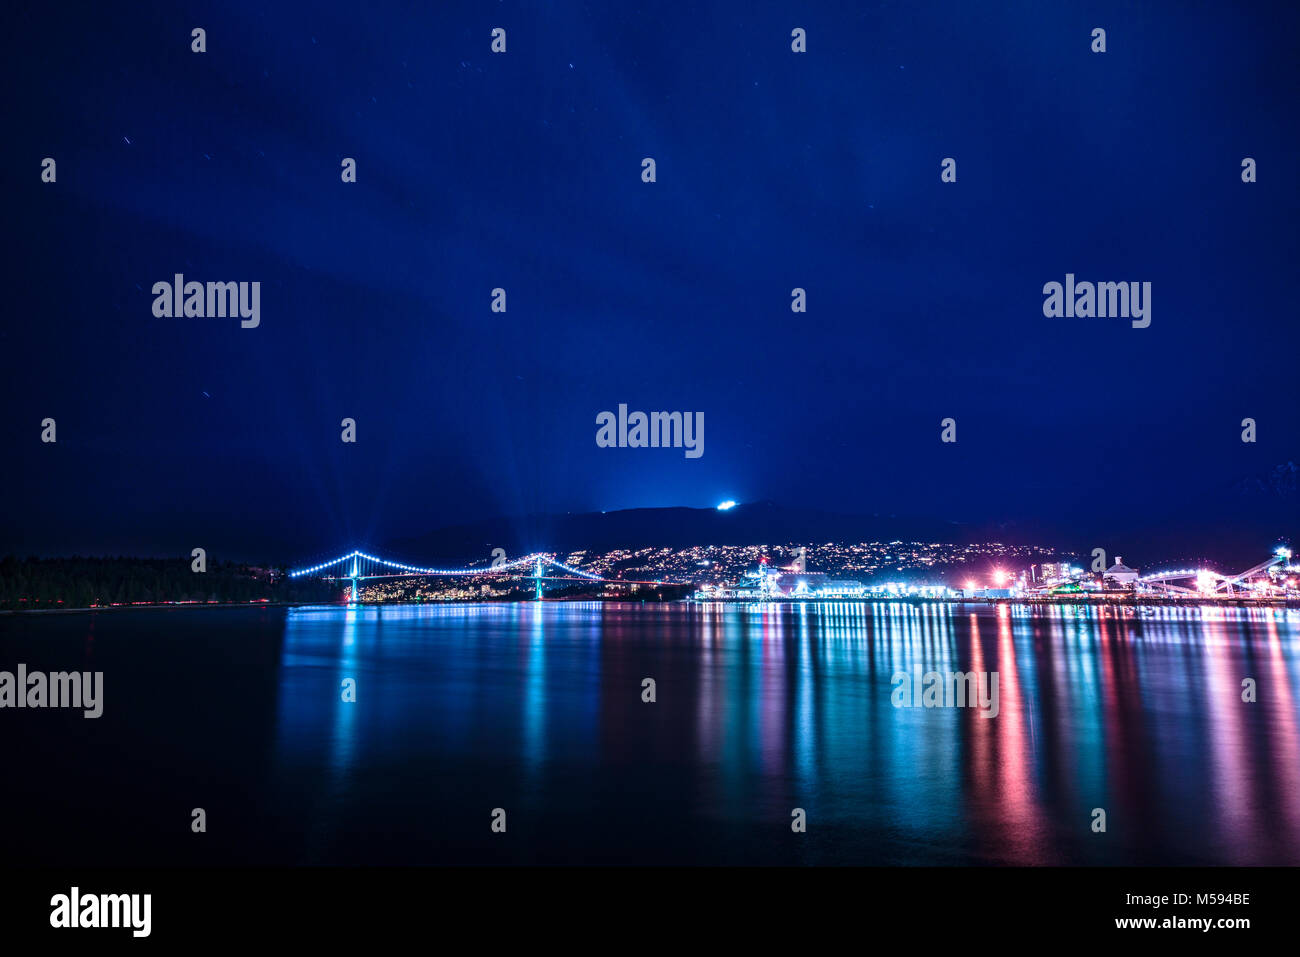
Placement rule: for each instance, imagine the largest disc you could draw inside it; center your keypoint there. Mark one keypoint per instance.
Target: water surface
(537, 709)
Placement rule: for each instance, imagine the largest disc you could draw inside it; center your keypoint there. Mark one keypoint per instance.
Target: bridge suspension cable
(576, 571)
(413, 569)
(359, 566)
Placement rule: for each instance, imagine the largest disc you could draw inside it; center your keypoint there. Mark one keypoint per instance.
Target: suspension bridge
(357, 566)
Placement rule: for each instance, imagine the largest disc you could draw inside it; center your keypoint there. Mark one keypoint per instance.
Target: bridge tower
(353, 600)
(537, 573)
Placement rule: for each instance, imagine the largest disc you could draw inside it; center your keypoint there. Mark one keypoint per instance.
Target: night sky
(775, 170)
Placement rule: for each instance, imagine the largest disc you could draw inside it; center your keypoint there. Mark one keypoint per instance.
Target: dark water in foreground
(537, 709)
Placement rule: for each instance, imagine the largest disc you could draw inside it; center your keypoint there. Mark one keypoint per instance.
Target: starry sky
(522, 171)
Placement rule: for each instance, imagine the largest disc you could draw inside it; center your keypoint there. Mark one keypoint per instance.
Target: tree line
(79, 582)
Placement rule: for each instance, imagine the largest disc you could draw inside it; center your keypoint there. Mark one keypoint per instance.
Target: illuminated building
(1120, 573)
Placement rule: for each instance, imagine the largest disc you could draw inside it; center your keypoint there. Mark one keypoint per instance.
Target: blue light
(576, 571)
(723, 506)
(409, 568)
(541, 559)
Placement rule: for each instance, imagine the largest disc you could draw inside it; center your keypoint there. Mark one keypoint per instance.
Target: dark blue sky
(522, 170)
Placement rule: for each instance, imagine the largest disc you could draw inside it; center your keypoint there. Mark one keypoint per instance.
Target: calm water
(537, 709)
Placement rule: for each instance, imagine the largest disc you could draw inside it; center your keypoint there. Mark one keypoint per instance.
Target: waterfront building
(1120, 573)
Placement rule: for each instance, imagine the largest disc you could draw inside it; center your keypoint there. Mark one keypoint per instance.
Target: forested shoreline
(77, 582)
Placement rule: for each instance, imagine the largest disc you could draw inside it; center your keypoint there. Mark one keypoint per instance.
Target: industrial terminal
(1274, 580)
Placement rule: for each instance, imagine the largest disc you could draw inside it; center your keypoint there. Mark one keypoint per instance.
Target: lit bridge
(357, 566)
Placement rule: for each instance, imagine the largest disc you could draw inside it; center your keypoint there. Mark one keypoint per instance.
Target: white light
(723, 506)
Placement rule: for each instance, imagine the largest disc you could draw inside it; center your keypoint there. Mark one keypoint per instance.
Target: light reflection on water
(538, 708)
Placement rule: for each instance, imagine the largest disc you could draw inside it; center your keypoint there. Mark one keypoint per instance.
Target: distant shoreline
(1145, 601)
(160, 606)
(180, 606)
(1033, 602)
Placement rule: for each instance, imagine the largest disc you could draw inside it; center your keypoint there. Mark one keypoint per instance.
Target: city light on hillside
(829, 571)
